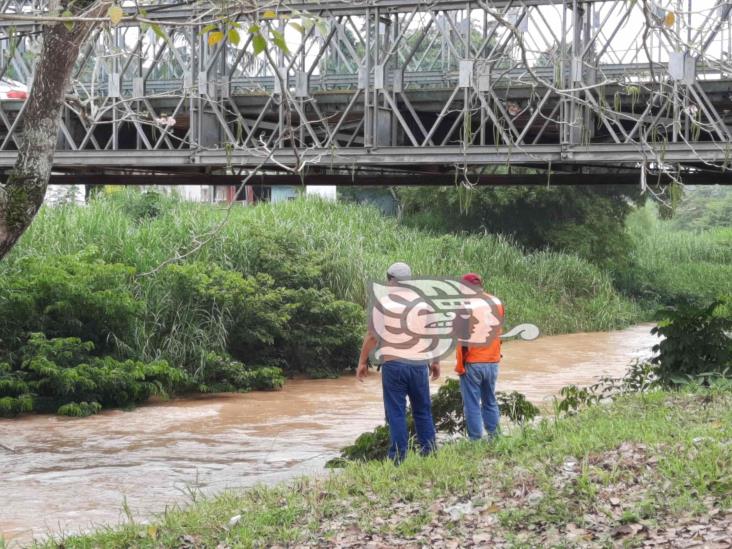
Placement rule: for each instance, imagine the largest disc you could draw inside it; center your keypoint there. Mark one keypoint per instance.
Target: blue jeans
(399, 381)
(478, 387)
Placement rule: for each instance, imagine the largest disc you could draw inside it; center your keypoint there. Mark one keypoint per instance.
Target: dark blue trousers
(401, 380)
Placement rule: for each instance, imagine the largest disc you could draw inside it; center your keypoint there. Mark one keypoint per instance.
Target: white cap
(399, 271)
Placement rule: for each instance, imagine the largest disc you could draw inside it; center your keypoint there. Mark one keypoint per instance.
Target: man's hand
(362, 371)
(435, 369)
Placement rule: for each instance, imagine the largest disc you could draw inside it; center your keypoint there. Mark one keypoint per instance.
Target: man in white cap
(401, 379)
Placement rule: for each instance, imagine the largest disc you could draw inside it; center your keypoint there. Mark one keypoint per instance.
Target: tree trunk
(23, 193)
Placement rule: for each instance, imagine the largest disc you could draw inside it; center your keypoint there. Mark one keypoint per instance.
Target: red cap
(473, 279)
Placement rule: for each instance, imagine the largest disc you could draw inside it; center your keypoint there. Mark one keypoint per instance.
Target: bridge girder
(406, 84)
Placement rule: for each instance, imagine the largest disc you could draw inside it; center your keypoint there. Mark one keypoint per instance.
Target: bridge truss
(446, 90)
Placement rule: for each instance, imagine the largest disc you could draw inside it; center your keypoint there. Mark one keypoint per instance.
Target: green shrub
(448, 412)
(224, 374)
(210, 309)
(256, 321)
(282, 256)
(12, 406)
(266, 378)
(697, 341)
(142, 205)
(322, 335)
(572, 399)
(68, 296)
(79, 409)
(369, 446)
(447, 408)
(516, 407)
(317, 244)
(583, 220)
(62, 371)
(10, 383)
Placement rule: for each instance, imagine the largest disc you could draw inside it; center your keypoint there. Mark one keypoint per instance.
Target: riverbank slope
(653, 467)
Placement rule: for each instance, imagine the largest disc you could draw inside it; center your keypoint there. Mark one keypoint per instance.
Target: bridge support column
(205, 72)
(578, 116)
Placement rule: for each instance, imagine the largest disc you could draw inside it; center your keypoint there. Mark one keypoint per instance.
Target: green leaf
(259, 43)
(160, 33)
(234, 36)
(68, 24)
(298, 27)
(278, 39)
(208, 28)
(322, 26)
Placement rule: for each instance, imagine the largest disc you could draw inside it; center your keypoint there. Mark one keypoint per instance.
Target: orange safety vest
(488, 353)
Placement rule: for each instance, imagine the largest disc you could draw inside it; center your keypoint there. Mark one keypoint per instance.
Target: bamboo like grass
(672, 263)
(558, 292)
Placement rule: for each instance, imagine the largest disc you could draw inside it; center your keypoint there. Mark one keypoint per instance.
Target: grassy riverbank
(647, 467)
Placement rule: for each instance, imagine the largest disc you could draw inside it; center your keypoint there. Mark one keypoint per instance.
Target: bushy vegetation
(282, 286)
(195, 325)
(67, 296)
(586, 221)
(704, 207)
(673, 266)
(655, 254)
(697, 342)
(310, 243)
(62, 375)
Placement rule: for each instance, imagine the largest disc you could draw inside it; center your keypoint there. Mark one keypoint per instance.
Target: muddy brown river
(71, 475)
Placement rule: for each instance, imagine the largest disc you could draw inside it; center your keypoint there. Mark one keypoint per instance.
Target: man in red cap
(478, 369)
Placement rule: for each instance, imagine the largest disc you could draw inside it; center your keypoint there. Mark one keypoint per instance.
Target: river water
(70, 475)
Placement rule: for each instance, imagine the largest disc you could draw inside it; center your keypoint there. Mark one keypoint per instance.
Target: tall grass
(673, 264)
(355, 244)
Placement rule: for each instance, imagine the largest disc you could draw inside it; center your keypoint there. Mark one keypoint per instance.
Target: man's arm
(435, 369)
(369, 344)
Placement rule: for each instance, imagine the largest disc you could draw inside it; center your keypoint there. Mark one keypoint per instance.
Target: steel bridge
(389, 91)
